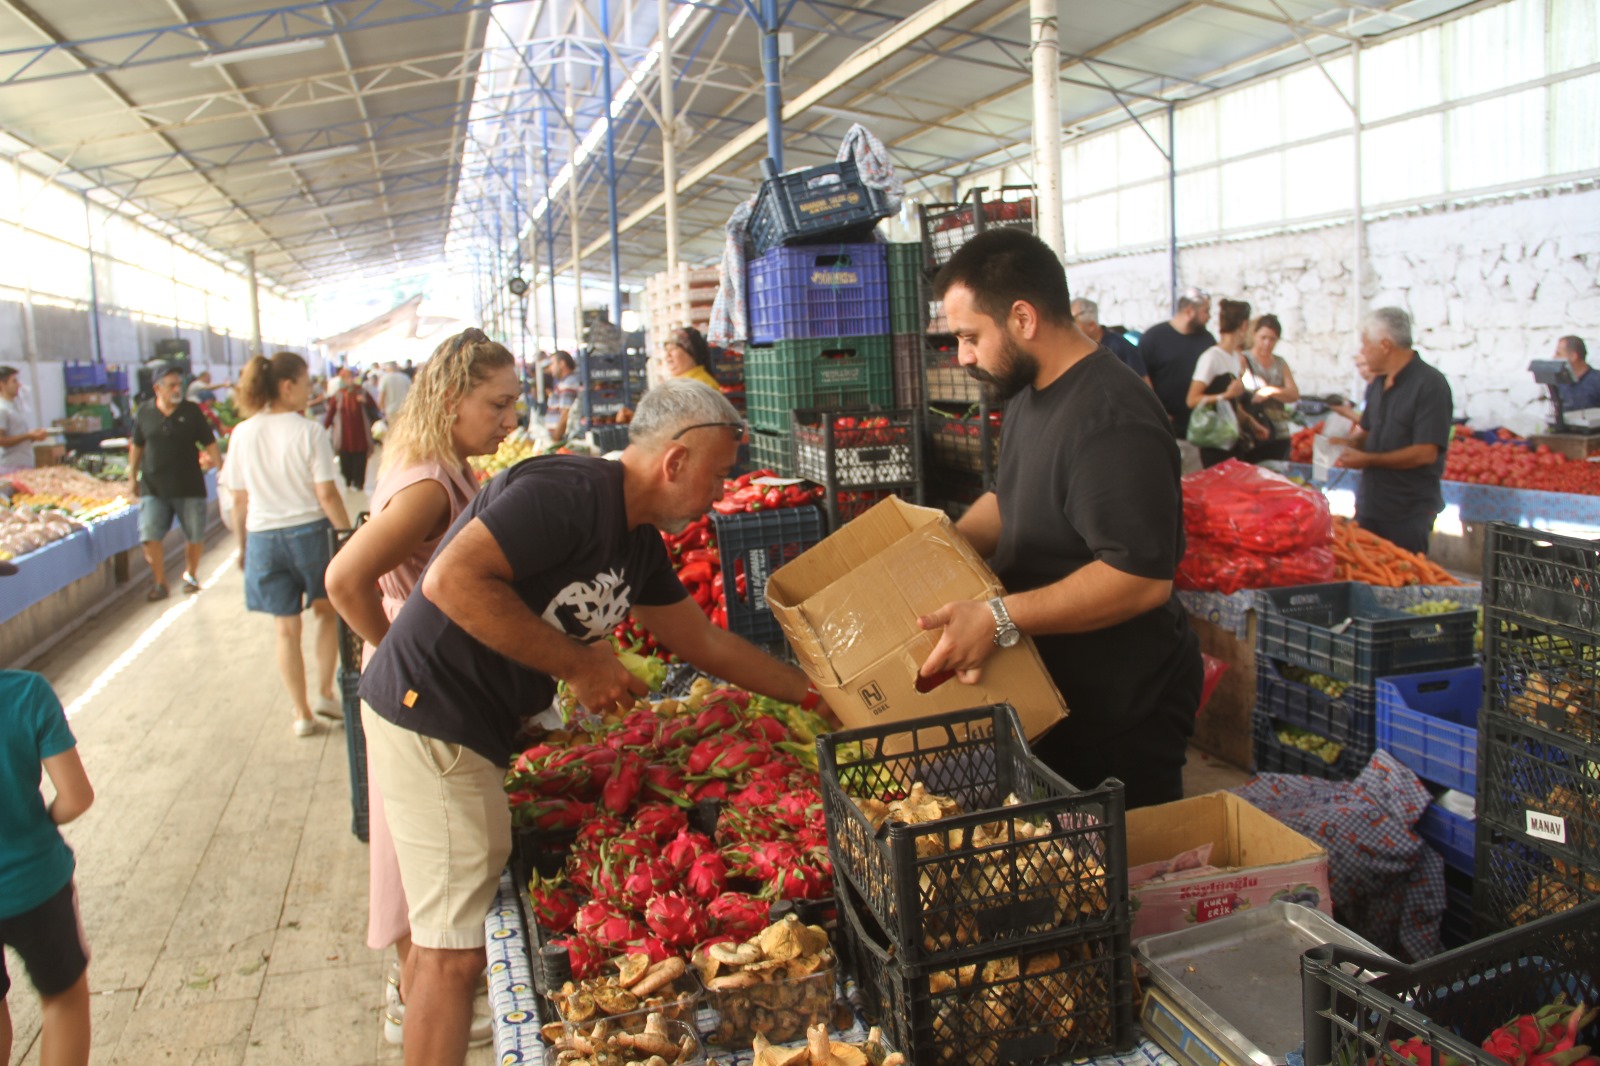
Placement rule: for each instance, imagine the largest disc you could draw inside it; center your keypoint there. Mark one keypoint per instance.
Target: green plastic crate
(908, 309)
(838, 374)
(772, 451)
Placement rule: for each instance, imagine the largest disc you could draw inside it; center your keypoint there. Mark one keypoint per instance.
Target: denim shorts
(156, 514)
(284, 568)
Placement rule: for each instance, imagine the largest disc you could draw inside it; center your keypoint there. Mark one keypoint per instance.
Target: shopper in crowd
(1086, 313)
(1404, 433)
(1275, 388)
(1170, 349)
(1224, 379)
(39, 916)
(463, 404)
(523, 592)
(1584, 392)
(349, 417)
(169, 433)
(17, 435)
(201, 389)
(1084, 527)
(1349, 409)
(281, 473)
(409, 370)
(685, 355)
(563, 396)
(392, 388)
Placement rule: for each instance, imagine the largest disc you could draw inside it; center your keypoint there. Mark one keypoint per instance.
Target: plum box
(1253, 859)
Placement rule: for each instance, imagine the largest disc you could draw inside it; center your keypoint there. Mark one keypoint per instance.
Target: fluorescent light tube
(261, 51)
(315, 156)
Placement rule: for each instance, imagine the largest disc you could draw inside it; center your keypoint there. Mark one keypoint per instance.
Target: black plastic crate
(609, 438)
(906, 354)
(1061, 999)
(754, 546)
(1274, 756)
(941, 890)
(1451, 1002)
(908, 305)
(843, 505)
(1455, 925)
(1515, 883)
(822, 290)
(827, 202)
(596, 369)
(966, 440)
(944, 379)
(851, 449)
(1531, 784)
(1350, 718)
(1339, 629)
(946, 227)
(1542, 673)
(772, 451)
(843, 373)
(952, 491)
(1542, 575)
(355, 743)
(350, 643)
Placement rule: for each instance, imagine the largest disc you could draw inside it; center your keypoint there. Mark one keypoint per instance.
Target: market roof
(338, 138)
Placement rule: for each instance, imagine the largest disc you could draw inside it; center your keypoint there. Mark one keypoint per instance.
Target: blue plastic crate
(1429, 722)
(818, 202)
(1451, 835)
(820, 290)
(84, 376)
(755, 545)
(1341, 630)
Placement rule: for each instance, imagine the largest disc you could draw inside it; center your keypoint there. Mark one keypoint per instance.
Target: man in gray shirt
(17, 435)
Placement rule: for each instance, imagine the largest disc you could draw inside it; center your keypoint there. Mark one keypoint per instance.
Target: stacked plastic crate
(1320, 650)
(611, 381)
(1538, 841)
(963, 428)
(998, 931)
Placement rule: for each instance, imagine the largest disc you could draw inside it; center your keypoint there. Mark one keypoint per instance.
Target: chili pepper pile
(1250, 528)
(636, 877)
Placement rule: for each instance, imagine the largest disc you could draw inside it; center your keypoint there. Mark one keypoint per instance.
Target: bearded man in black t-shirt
(1084, 527)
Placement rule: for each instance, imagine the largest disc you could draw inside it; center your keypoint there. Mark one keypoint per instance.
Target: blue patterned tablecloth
(514, 1004)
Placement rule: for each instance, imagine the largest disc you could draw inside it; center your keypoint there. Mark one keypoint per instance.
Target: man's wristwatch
(1006, 633)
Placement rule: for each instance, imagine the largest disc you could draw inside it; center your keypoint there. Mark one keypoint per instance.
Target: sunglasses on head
(739, 428)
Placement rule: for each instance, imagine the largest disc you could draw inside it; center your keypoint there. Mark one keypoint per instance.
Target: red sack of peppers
(1248, 507)
(1211, 566)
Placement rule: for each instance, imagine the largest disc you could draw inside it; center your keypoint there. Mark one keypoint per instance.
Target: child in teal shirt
(38, 903)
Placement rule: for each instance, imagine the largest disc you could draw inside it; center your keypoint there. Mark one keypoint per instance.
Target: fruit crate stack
(1538, 840)
(610, 383)
(1320, 650)
(681, 297)
(860, 458)
(908, 319)
(983, 901)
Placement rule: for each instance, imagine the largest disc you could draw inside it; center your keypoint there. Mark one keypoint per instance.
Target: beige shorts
(451, 825)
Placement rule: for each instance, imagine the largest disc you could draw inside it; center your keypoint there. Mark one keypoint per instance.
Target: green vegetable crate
(838, 374)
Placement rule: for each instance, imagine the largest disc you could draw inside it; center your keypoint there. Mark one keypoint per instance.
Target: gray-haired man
(523, 591)
(1404, 433)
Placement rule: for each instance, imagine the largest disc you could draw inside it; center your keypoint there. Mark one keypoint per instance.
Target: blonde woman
(281, 473)
(463, 403)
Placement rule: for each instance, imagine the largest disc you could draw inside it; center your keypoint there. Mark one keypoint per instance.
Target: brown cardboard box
(849, 607)
(1259, 859)
(49, 454)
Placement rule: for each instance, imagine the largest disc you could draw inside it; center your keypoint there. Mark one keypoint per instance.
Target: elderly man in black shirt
(1171, 349)
(1404, 433)
(1084, 527)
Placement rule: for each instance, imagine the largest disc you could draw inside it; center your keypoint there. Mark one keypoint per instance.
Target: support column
(255, 304)
(611, 190)
(1172, 205)
(669, 132)
(572, 215)
(549, 229)
(1358, 221)
(770, 24)
(1045, 51)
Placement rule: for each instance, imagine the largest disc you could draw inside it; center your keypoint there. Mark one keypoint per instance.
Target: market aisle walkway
(223, 894)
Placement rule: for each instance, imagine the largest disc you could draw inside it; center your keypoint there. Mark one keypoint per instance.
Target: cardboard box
(49, 454)
(1261, 860)
(849, 608)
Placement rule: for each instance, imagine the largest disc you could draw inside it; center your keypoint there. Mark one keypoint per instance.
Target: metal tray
(1238, 977)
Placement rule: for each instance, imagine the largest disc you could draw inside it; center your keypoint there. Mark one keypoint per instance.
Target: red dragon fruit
(707, 876)
(705, 790)
(761, 860)
(798, 809)
(596, 831)
(676, 919)
(606, 925)
(802, 881)
(762, 792)
(736, 915)
(769, 728)
(684, 848)
(641, 881)
(653, 946)
(586, 956)
(660, 820)
(555, 904)
(622, 788)
(666, 781)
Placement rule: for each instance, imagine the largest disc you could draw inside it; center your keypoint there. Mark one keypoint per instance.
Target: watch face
(1008, 637)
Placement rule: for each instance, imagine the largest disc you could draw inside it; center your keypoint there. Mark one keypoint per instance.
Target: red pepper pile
(1250, 528)
(860, 431)
(741, 496)
(652, 883)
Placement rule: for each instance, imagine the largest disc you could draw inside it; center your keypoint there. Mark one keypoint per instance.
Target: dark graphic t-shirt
(562, 524)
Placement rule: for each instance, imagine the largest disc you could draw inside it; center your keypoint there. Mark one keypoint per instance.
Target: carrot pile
(1362, 556)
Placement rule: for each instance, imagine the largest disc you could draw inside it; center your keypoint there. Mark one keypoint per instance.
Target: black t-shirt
(1089, 471)
(1416, 410)
(1123, 349)
(1169, 357)
(170, 466)
(562, 524)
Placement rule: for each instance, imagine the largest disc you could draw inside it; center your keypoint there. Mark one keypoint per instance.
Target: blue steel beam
(611, 188)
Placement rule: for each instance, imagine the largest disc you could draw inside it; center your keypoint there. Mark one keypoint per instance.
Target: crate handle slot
(834, 259)
(1433, 686)
(838, 353)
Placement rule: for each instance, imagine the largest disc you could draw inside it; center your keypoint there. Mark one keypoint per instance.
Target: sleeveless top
(459, 485)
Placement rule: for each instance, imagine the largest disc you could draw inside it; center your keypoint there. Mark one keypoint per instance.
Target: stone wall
(1489, 287)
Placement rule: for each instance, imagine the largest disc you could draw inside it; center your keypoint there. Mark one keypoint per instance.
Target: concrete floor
(223, 895)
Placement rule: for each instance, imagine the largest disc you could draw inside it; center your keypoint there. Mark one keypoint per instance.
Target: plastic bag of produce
(1213, 566)
(1214, 425)
(1248, 507)
(1214, 669)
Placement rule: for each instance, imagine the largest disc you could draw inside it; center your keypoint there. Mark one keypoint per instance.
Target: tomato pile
(1536, 468)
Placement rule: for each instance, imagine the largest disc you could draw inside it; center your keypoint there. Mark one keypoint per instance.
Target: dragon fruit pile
(638, 878)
